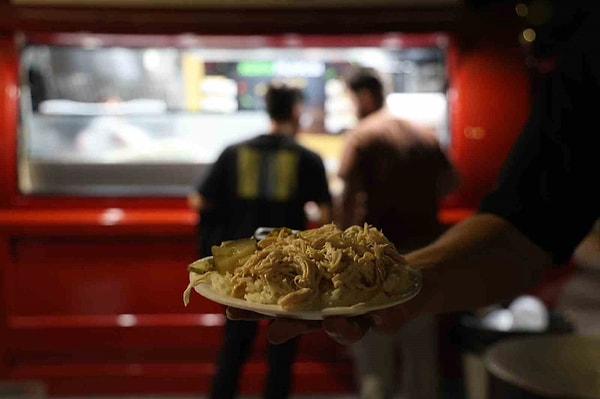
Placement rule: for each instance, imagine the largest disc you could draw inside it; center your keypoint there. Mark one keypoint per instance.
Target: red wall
(489, 103)
(8, 115)
(95, 307)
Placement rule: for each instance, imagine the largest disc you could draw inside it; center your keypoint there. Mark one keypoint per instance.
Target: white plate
(206, 291)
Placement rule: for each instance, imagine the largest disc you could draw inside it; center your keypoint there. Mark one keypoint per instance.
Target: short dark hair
(364, 78)
(280, 101)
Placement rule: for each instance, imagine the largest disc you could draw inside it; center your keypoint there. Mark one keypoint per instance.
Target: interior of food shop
(154, 127)
(112, 113)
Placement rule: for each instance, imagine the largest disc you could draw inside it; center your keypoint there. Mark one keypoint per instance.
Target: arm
(196, 201)
(325, 209)
(479, 261)
(498, 252)
(315, 186)
(212, 187)
(352, 204)
(448, 180)
(504, 249)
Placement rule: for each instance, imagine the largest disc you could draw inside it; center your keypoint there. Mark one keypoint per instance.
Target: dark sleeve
(546, 188)
(447, 179)
(214, 185)
(214, 188)
(313, 180)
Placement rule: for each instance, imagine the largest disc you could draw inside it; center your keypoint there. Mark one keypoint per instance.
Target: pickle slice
(232, 254)
(202, 266)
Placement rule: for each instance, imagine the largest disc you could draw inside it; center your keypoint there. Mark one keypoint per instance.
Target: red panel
(106, 278)
(179, 378)
(96, 307)
(78, 355)
(4, 298)
(92, 252)
(288, 40)
(99, 222)
(73, 202)
(8, 118)
(489, 102)
(190, 339)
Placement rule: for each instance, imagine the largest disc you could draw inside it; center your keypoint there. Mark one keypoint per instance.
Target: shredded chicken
(318, 268)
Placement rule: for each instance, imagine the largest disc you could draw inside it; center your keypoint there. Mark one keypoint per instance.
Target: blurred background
(112, 111)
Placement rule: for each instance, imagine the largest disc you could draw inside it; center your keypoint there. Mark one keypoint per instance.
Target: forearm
(352, 206)
(325, 211)
(344, 216)
(477, 262)
(197, 202)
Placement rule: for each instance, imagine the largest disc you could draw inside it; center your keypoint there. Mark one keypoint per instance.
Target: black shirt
(548, 185)
(265, 181)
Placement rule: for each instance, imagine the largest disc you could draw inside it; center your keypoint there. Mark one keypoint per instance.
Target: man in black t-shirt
(265, 181)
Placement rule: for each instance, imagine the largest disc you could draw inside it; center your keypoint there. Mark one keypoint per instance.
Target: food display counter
(154, 127)
(103, 133)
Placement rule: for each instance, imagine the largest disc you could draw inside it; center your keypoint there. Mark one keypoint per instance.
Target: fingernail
(331, 327)
(275, 339)
(277, 335)
(333, 335)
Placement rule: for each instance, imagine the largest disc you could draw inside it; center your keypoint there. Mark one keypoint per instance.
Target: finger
(282, 330)
(347, 330)
(240, 314)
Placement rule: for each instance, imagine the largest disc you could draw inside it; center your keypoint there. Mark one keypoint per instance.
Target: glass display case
(130, 119)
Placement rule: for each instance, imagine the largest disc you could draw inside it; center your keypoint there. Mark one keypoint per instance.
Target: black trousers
(239, 336)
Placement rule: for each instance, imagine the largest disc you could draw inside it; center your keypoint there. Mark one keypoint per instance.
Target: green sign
(255, 68)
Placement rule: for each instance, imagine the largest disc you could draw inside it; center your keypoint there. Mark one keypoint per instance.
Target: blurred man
(394, 174)
(265, 181)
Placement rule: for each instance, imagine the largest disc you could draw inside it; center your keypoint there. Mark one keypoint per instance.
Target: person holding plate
(544, 203)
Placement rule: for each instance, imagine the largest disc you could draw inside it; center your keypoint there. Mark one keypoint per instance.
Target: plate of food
(310, 274)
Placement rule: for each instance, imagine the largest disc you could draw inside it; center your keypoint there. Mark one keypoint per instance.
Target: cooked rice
(318, 268)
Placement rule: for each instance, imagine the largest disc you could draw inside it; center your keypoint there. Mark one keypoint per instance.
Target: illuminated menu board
(229, 87)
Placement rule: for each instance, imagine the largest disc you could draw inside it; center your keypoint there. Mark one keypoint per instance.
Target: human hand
(344, 330)
(280, 329)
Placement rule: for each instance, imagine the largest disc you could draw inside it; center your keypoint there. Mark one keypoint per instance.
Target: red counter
(93, 303)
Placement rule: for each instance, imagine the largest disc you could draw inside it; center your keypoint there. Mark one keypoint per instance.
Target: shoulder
(384, 120)
(381, 126)
(308, 155)
(251, 142)
(230, 150)
(229, 153)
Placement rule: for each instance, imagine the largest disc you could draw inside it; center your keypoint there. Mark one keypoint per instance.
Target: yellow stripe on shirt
(286, 178)
(248, 166)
